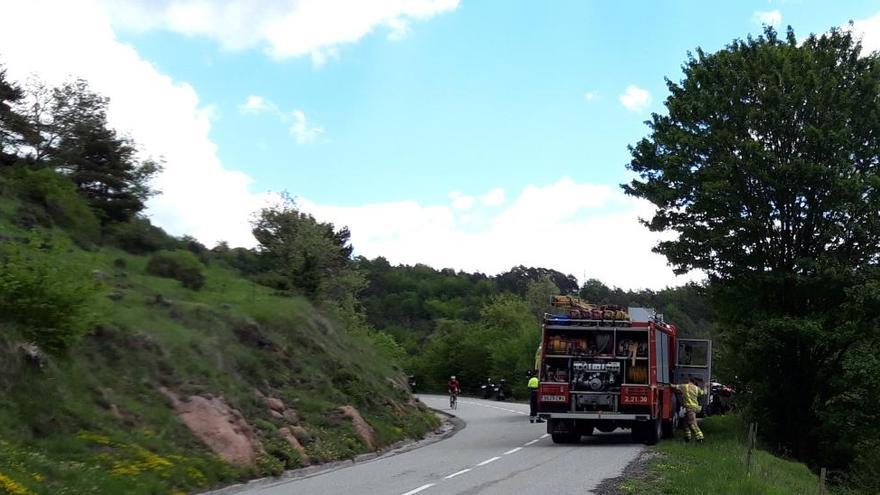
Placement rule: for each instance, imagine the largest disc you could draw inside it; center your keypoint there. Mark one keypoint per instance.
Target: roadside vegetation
(718, 466)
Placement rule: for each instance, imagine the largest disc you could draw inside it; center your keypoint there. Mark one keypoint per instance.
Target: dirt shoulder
(637, 469)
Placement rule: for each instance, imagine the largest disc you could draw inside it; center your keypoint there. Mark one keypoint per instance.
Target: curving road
(498, 452)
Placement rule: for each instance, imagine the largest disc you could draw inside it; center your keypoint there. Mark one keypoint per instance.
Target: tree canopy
(306, 255)
(14, 127)
(767, 160)
(767, 168)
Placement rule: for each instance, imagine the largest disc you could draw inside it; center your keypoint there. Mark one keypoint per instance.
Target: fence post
(749, 443)
(822, 474)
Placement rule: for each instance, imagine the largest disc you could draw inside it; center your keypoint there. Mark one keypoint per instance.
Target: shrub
(180, 265)
(139, 236)
(29, 216)
(43, 294)
(58, 196)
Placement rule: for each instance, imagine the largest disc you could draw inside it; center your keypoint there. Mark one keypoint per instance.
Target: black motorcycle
(719, 399)
(500, 390)
(487, 389)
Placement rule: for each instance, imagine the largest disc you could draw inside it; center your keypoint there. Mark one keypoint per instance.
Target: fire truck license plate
(553, 398)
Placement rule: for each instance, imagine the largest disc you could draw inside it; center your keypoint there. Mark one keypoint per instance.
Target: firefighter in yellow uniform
(691, 394)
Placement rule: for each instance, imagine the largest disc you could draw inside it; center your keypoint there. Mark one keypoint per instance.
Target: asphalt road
(498, 452)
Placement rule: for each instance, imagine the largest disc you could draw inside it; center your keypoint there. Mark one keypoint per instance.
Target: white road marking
(545, 435)
(494, 407)
(532, 442)
(511, 451)
(421, 488)
(453, 475)
(487, 461)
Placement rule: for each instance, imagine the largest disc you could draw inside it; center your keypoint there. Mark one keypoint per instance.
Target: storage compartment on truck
(555, 369)
(595, 375)
(590, 402)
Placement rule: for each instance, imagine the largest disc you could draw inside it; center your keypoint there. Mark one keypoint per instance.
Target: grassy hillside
(91, 419)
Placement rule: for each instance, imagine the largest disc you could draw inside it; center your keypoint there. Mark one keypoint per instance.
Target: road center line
(511, 451)
(532, 442)
(487, 461)
(493, 407)
(453, 475)
(417, 490)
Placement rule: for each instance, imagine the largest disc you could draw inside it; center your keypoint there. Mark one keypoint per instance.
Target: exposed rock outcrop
(222, 428)
(363, 429)
(294, 442)
(290, 416)
(275, 404)
(301, 434)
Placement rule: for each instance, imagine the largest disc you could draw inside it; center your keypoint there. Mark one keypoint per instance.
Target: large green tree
(307, 256)
(15, 129)
(766, 166)
(76, 139)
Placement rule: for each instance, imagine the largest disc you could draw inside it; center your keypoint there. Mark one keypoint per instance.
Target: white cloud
(495, 197)
(576, 228)
(299, 126)
(302, 130)
(635, 98)
(399, 29)
(869, 32)
(200, 196)
(768, 17)
(257, 104)
(461, 201)
(589, 96)
(285, 28)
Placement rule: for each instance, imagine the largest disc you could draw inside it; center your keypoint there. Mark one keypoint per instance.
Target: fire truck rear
(603, 368)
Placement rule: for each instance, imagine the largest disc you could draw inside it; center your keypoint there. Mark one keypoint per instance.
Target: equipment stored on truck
(606, 367)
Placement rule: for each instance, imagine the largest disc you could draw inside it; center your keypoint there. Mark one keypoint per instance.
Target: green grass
(718, 466)
(60, 432)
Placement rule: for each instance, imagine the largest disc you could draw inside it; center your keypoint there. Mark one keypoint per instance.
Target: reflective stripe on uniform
(691, 395)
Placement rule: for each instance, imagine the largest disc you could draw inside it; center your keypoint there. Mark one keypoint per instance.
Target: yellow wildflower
(11, 487)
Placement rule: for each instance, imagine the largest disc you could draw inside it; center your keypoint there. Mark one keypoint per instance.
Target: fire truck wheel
(653, 432)
(671, 425)
(638, 433)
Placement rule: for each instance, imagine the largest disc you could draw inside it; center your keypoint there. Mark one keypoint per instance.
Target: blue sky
(468, 134)
(489, 95)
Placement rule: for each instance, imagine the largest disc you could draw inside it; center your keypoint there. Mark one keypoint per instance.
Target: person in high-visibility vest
(533, 400)
(691, 394)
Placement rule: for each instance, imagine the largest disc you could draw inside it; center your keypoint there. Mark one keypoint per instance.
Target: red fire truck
(615, 369)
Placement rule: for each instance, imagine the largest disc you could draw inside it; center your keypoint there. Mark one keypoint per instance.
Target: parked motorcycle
(487, 389)
(719, 399)
(500, 390)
